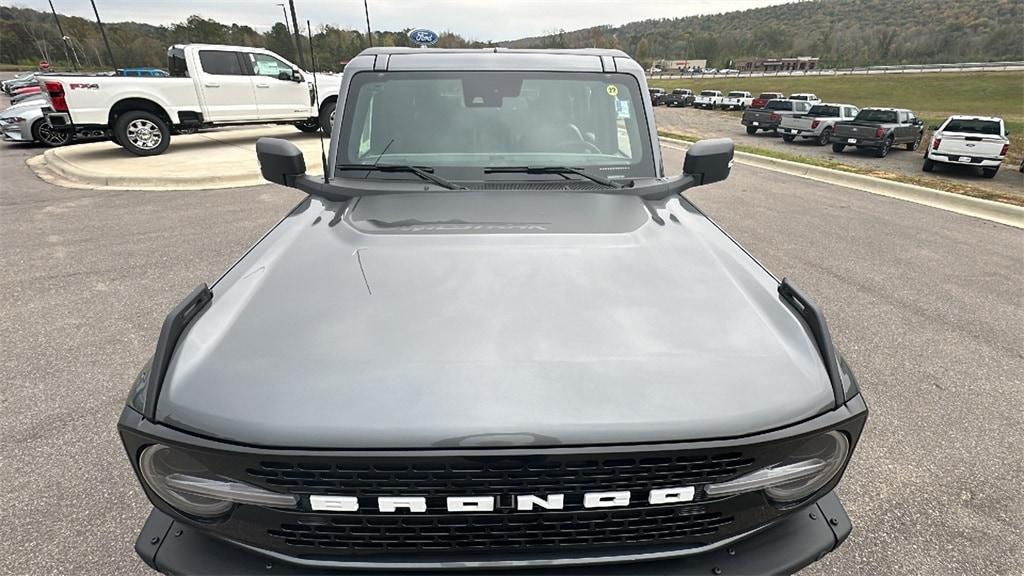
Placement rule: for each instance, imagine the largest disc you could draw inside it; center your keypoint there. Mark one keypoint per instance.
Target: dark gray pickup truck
(679, 97)
(769, 117)
(494, 337)
(879, 129)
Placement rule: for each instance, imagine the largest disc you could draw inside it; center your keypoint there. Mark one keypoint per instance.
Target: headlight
(190, 487)
(803, 473)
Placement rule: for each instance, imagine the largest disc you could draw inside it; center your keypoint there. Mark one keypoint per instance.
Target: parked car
(679, 97)
(210, 85)
(20, 81)
(817, 124)
(736, 100)
(708, 99)
(482, 402)
(766, 97)
(879, 129)
(26, 96)
(155, 72)
(657, 95)
(769, 117)
(806, 97)
(25, 122)
(980, 141)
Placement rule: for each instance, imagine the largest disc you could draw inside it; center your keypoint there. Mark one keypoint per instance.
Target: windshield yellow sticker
(613, 90)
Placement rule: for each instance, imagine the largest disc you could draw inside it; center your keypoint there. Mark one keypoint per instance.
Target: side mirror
(709, 161)
(284, 75)
(281, 162)
(297, 76)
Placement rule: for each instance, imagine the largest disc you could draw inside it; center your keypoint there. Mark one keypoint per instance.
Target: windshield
(737, 94)
(820, 110)
(973, 126)
(708, 93)
(779, 105)
(770, 95)
(680, 92)
(462, 122)
(877, 116)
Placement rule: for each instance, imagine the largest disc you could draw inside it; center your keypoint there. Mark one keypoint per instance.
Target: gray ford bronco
(495, 338)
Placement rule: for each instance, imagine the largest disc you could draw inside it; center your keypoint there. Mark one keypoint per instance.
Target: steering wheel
(575, 145)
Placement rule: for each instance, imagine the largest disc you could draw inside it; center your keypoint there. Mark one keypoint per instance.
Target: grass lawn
(932, 97)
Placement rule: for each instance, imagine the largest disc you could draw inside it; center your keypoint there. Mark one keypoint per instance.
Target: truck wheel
(928, 165)
(751, 130)
(825, 136)
(883, 150)
(44, 133)
(142, 133)
(989, 172)
(311, 125)
(788, 137)
(327, 117)
(838, 147)
(911, 146)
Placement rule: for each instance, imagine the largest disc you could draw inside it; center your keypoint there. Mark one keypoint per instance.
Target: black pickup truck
(769, 117)
(879, 129)
(679, 97)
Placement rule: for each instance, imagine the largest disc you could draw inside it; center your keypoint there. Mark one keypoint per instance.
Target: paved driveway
(927, 305)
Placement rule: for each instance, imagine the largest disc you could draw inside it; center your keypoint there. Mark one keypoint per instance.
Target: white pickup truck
(708, 99)
(736, 100)
(210, 85)
(980, 141)
(817, 123)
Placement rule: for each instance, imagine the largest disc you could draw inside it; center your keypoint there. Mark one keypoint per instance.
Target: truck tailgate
(797, 122)
(965, 144)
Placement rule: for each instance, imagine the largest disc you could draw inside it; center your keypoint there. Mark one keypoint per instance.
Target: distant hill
(840, 32)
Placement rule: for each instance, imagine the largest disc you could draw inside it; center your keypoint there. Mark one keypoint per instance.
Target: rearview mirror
(709, 161)
(281, 162)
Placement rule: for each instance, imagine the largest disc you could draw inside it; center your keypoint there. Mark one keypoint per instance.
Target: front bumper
(798, 540)
(16, 131)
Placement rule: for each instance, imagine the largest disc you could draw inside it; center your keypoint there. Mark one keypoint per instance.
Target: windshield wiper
(424, 172)
(560, 170)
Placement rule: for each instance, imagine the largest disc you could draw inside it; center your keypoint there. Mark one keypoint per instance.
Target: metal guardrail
(864, 70)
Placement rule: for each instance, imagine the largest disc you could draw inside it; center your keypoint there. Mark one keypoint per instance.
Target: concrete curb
(999, 212)
(205, 161)
(73, 175)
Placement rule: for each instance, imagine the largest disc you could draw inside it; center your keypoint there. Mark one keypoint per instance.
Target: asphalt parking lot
(927, 306)
(719, 124)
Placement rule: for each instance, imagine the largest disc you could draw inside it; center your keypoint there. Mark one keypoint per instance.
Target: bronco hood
(489, 319)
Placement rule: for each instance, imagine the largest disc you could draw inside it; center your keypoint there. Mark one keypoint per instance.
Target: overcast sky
(475, 19)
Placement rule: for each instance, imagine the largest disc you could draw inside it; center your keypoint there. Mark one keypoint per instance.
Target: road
(927, 305)
(718, 124)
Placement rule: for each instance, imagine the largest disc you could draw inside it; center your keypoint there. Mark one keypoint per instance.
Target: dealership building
(776, 64)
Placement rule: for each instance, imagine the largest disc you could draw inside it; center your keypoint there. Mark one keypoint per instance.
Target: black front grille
(369, 531)
(494, 476)
(501, 532)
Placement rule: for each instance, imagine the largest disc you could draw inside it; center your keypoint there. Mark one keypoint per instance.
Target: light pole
(369, 33)
(284, 10)
(103, 33)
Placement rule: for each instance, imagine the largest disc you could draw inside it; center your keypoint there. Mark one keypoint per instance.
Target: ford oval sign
(423, 37)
